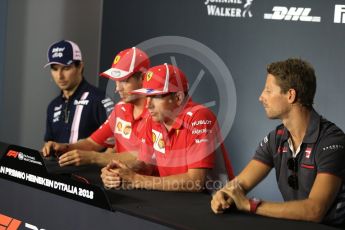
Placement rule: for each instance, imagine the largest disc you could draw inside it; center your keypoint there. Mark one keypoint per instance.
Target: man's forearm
(297, 210)
(104, 158)
(140, 167)
(180, 182)
(85, 144)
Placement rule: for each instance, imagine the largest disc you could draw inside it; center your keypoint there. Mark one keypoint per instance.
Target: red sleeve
(202, 139)
(104, 135)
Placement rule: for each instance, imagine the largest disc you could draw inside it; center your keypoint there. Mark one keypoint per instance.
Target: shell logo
(154, 137)
(161, 144)
(119, 126)
(127, 130)
(158, 141)
(124, 128)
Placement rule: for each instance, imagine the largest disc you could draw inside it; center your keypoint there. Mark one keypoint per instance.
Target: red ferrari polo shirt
(122, 126)
(193, 142)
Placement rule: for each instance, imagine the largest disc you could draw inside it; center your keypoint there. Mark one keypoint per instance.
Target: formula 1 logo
(23, 157)
(12, 153)
(339, 14)
(292, 14)
(9, 223)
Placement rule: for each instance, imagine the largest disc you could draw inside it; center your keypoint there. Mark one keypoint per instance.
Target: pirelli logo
(8, 223)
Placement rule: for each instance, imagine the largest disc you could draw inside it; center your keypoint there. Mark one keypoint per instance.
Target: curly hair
(297, 74)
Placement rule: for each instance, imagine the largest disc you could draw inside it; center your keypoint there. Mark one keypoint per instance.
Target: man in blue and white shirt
(81, 107)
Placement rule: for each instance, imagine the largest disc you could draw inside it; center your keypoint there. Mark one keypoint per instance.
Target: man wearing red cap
(127, 70)
(181, 146)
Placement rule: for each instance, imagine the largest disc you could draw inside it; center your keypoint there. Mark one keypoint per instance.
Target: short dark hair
(136, 75)
(77, 63)
(297, 74)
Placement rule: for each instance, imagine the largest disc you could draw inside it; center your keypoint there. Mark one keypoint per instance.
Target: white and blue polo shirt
(69, 120)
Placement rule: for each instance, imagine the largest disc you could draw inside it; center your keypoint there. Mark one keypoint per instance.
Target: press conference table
(132, 209)
(192, 211)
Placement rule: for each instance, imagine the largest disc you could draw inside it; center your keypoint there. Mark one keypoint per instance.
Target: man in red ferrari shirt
(181, 147)
(127, 71)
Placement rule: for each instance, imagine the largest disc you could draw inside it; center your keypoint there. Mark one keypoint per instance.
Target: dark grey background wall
(245, 45)
(3, 16)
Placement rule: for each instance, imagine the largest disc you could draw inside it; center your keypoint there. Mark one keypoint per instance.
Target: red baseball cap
(126, 63)
(163, 79)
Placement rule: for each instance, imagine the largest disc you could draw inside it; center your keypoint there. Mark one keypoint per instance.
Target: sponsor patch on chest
(124, 128)
(81, 102)
(158, 141)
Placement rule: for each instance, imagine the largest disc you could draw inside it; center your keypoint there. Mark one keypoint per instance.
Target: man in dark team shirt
(306, 151)
(120, 131)
(80, 108)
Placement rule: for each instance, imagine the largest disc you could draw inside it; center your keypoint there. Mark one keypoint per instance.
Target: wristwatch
(254, 204)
